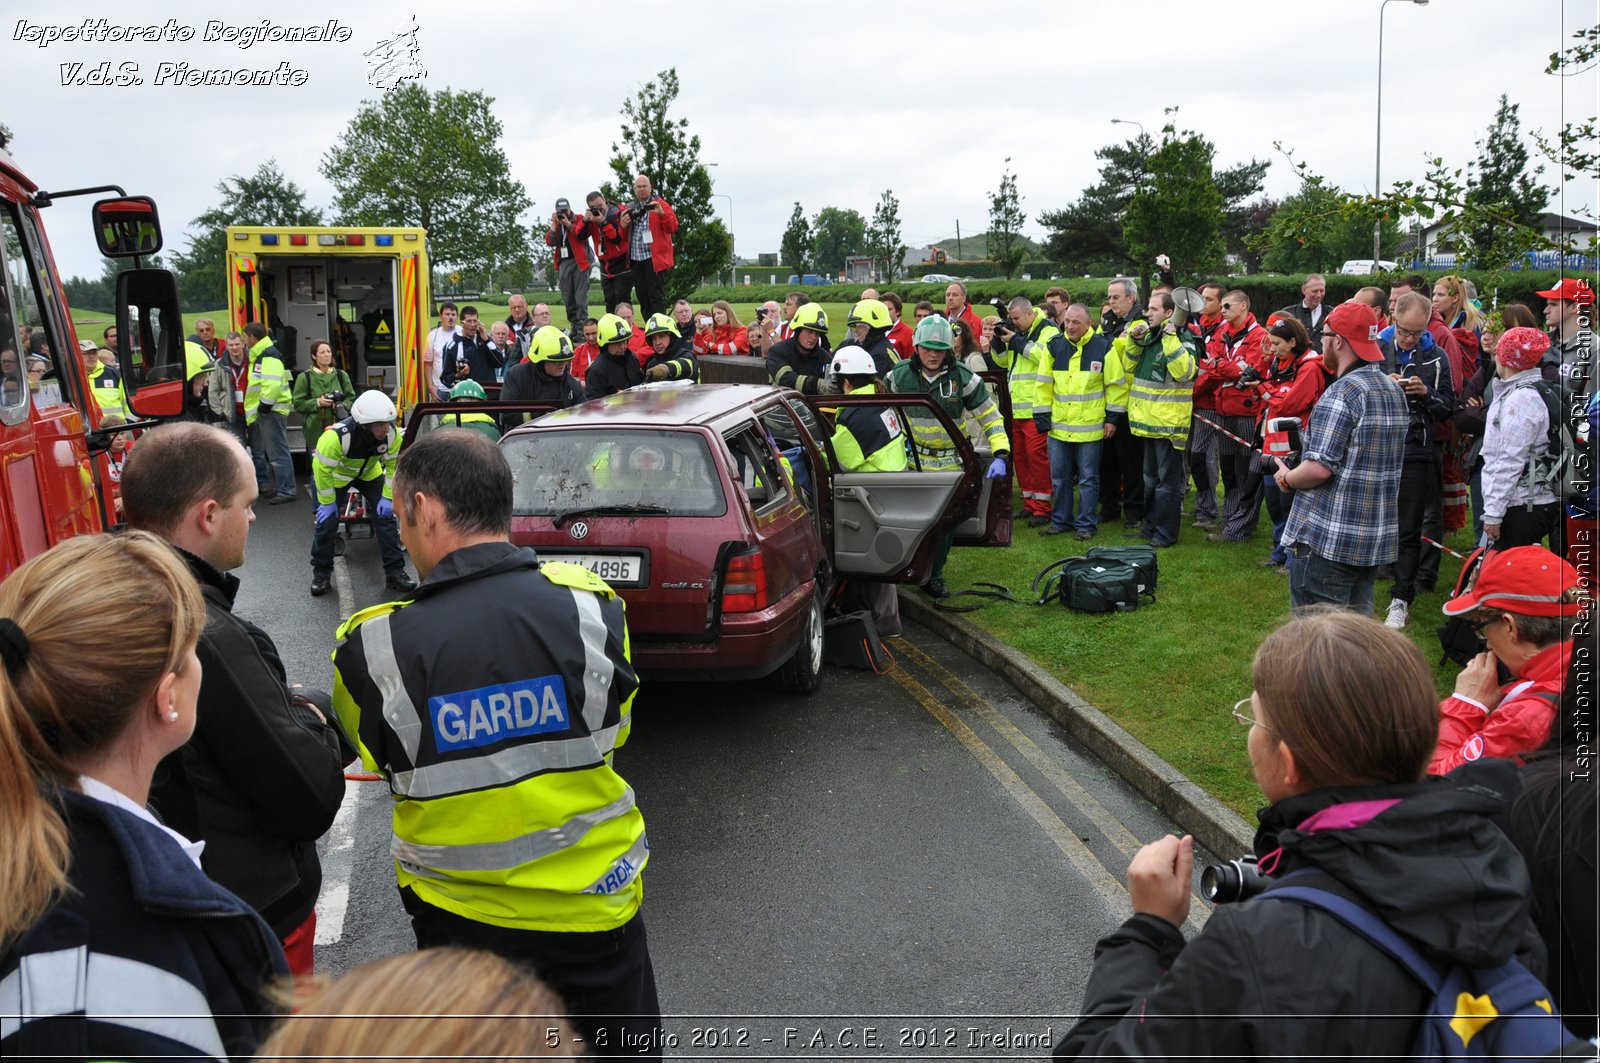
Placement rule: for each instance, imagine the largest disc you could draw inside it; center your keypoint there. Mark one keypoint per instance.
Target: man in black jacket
(543, 377)
(263, 776)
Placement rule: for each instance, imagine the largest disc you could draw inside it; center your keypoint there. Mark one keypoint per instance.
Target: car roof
(658, 407)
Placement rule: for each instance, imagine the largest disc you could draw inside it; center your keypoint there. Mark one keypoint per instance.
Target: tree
(1503, 181)
(837, 234)
(1006, 248)
(1573, 151)
(1320, 227)
(1255, 217)
(797, 241)
(433, 159)
(883, 235)
(660, 146)
(1241, 217)
(265, 197)
(1086, 236)
(1177, 209)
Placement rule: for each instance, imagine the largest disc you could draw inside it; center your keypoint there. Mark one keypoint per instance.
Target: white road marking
(337, 863)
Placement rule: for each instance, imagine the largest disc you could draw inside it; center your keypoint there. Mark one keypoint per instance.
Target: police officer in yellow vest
(358, 452)
(267, 402)
(1023, 342)
(1160, 384)
(493, 701)
(1071, 407)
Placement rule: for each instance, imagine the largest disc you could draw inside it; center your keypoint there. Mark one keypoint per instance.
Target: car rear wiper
(596, 511)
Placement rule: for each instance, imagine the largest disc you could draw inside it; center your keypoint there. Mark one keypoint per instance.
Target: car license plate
(613, 568)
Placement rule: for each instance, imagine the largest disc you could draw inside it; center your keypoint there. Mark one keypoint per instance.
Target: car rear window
(557, 471)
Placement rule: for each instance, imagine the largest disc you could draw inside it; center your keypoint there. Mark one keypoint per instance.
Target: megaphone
(1186, 302)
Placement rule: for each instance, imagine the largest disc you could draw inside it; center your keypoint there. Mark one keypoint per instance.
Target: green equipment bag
(1097, 585)
(1142, 558)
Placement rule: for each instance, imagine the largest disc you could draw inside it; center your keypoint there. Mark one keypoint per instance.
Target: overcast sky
(819, 102)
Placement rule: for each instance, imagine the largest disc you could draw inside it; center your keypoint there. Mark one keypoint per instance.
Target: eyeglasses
(1326, 335)
(1227, 306)
(1412, 332)
(1244, 718)
(1477, 629)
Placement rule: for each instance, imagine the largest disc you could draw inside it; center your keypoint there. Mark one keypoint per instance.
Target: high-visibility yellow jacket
(869, 438)
(269, 382)
(492, 701)
(960, 391)
(1160, 381)
(1024, 358)
(1079, 377)
(347, 451)
(106, 384)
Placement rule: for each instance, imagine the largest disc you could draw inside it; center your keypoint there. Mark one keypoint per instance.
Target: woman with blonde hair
(1342, 723)
(110, 933)
(722, 334)
(443, 1003)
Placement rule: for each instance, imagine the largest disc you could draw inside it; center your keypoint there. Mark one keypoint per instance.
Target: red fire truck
(54, 478)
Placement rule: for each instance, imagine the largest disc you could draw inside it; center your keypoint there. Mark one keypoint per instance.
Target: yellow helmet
(613, 330)
(549, 344)
(660, 323)
(871, 313)
(810, 316)
(196, 360)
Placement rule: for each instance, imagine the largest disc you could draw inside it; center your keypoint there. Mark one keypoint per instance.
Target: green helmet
(660, 323)
(549, 344)
(613, 330)
(934, 332)
(467, 389)
(871, 313)
(810, 316)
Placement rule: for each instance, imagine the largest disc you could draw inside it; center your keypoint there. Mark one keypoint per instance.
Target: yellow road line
(1062, 835)
(1107, 822)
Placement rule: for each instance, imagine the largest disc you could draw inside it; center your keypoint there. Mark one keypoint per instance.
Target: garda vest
(346, 452)
(1029, 382)
(106, 383)
(269, 382)
(869, 438)
(506, 808)
(959, 391)
(1078, 388)
(1160, 386)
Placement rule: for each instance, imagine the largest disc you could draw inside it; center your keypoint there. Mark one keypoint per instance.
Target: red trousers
(297, 947)
(1030, 457)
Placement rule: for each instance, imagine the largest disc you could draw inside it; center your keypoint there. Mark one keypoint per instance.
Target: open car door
(991, 524)
(492, 418)
(885, 525)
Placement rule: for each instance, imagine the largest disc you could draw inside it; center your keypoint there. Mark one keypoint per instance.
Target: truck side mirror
(150, 342)
(127, 226)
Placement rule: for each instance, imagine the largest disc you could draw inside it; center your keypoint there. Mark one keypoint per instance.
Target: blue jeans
(269, 443)
(1278, 509)
(1075, 463)
(322, 538)
(1315, 580)
(1165, 474)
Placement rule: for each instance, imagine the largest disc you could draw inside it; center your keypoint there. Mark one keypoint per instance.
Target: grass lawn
(1170, 672)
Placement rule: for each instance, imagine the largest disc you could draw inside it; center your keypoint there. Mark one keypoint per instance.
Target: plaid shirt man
(1358, 430)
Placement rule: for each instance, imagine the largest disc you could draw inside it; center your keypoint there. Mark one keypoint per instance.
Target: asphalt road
(922, 852)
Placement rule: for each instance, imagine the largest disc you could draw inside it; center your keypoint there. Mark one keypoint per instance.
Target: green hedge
(983, 270)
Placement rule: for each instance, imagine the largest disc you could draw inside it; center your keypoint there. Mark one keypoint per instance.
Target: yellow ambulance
(362, 288)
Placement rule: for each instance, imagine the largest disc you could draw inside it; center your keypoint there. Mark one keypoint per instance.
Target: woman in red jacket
(725, 335)
(1527, 601)
(1291, 383)
(1234, 360)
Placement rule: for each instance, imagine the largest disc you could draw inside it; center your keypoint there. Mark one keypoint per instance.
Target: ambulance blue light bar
(383, 240)
(269, 239)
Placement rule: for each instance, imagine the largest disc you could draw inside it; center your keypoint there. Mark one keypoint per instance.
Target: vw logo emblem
(580, 530)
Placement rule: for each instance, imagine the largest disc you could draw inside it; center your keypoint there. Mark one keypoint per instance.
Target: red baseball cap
(1570, 288)
(1529, 580)
(1357, 325)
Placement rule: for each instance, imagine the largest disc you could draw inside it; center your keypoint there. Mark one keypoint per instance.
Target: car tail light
(744, 587)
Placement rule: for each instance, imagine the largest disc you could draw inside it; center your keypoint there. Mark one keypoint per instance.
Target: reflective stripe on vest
(511, 853)
(1085, 396)
(109, 989)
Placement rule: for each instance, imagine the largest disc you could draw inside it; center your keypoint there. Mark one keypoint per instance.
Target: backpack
(1555, 467)
(1142, 558)
(1499, 1012)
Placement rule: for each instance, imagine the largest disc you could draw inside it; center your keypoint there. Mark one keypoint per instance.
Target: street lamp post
(1377, 153)
(733, 259)
(1129, 121)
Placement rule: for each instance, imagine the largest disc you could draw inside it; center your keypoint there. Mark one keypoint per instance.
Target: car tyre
(802, 672)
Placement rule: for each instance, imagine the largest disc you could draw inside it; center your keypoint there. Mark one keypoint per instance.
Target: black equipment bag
(1096, 585)
(1456, 638)
(1142, 558)
(852, 641)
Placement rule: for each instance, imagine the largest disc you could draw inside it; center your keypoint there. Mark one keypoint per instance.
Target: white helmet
(372, 407)
(853, 361)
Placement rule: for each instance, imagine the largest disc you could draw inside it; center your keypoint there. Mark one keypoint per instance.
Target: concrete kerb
(1213, 824)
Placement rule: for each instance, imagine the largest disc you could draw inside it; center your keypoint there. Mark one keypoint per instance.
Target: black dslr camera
(1236, 880)
(336, 396)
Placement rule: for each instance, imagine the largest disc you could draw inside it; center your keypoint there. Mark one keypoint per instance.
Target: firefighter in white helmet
(359, 451)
